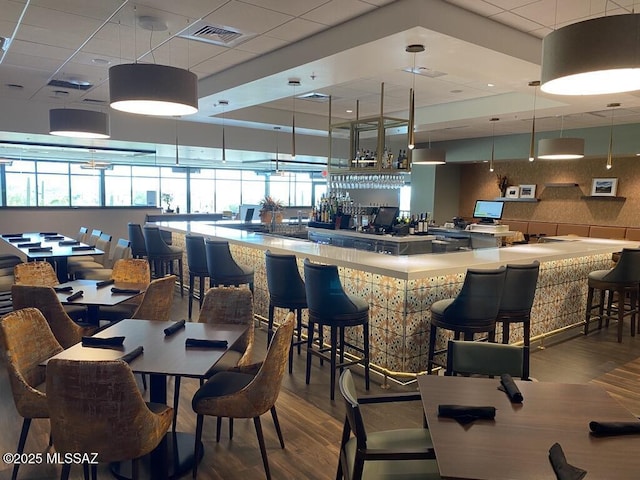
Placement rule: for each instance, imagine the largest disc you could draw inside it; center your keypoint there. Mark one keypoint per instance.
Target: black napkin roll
(104, 283)
(75, 296)
(40, 249)
(66, 243)
(199, 343)
(179, 325)
(53, 237)
(29, 244)
(82, 248)
(63, 289)
(124, 290)
(18, 239)
(563, 470)
(7, 235)
(511, 388)
(454, 411)
(133, 354)
(614, 428)
(48, 234)
(102, 342)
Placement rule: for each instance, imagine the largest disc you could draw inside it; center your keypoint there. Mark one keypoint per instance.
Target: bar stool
(161, 256)
(473, 311)
(516, 303)
(136, 237)
(223, 269)
(286, 290)
(197, 264)
(329, 305)
(623, 280)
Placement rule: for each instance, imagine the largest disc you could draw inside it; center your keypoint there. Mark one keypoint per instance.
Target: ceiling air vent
(424, 72)
(314, 97)
(70, 84)
(93, 101)
(215, 34)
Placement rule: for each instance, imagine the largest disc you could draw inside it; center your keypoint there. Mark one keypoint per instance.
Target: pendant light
(593, 57)
(414, 48)
(612, 106)
(493, 142)
(223, 103)
(177, 157)
(293, 82)
(277, 173)
(532, 156)
(561, 148)
(71, 122)
(429, 156)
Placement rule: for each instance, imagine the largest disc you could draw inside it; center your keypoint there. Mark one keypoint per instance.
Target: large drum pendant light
(150, 89)
(561, 148)
(71, 122)
(596, 56)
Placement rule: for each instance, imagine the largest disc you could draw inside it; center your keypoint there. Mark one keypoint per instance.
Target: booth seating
(534, 230)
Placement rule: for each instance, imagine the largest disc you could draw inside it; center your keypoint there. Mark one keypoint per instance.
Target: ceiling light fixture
(71, 122)
(293, 82)
(224, 103)
(593, 57)
(535, 84)
(177, 157)
(429, 156)
(414, 48)
(93, 165)
(277, 172)
(561, 148)
(493, 142)
(613, 107)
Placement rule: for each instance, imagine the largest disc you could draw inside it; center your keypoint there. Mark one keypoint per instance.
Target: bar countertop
(408, 267)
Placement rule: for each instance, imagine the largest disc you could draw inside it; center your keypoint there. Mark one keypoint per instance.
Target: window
(117, 186)
(21, 184)
(85, 186)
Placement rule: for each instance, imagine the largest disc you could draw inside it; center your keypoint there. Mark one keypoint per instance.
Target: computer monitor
(248, 216)
(386, 217)
(488, 210)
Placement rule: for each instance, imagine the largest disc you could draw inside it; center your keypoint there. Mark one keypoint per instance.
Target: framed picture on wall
(512, 192)
(604, 187)
(527, 191)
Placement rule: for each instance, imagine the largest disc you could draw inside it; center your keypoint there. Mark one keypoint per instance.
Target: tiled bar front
(399, 307)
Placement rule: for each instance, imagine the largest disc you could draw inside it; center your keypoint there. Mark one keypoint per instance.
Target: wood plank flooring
(312, 424)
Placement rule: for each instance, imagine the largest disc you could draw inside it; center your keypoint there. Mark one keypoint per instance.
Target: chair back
(324, 292)
(479, 300)
(231, 305)
(220, 262)
(354, 415)
(27, 341)
(519, 287)
(35, 273)
(119, 251)
(83, 232)
(485, 358)
(131, 270)
(627, 269)
(66, 331)
(104, 244)
(136, 237)
(283, 279)
(154, 242)
(196, 255)
(157, 300)
(96, 407)
(94, 237)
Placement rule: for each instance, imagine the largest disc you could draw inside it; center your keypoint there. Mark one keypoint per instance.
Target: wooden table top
(162, 355)
(57, 250)
(515, 446)
(92, 295)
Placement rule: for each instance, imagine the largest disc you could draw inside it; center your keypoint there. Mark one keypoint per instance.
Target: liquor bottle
(412, 225)
(421, 224)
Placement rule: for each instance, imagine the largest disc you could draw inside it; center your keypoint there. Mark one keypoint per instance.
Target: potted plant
(270, 209)
(167, 198)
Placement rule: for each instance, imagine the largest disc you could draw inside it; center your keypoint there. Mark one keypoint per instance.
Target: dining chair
(136, 237)
(96, 407)
(247, 392)
(486, 358)
(197, 266)
(82, 234)
(91, 261)
(161, 255)
(399, 454)
(66, 331)
(95, 270)
(27, 341)
(157, 300)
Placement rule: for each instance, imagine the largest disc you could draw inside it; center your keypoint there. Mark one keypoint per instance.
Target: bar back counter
(401, 288)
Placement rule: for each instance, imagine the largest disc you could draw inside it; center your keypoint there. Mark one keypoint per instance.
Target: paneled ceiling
(480, 56)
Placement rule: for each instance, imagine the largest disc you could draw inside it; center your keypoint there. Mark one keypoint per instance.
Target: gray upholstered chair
(197, 265)
(162, 256)
(223, 269)
(136, 237)
(486, 358)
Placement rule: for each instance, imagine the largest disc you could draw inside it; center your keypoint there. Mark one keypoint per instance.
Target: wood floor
(312, 424)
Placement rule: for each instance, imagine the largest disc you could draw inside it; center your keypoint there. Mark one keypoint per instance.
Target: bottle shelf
(506, 199)
(560, 185)
(603, 197)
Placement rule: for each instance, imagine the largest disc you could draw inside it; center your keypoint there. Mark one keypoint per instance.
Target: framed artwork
(527, 191)
(604, 187)
(512, 192)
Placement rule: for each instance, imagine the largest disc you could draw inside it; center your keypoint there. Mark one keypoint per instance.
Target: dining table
(163, 356)
(515, 444)
(50, 246)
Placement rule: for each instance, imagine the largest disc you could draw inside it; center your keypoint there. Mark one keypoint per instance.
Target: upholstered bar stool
(473, 311)
(286, 290)
(197, 264)
(162, 256)
(330, 306)
(223, 269)
(623, 280)
(136, 237)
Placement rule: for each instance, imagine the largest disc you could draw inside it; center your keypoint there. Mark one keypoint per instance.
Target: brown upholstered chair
(27, 341)
(66, 331)
(96, 407)
(247, 392)
(42, 274)
(157, 300)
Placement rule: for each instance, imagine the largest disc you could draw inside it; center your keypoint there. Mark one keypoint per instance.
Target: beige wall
(558, 204)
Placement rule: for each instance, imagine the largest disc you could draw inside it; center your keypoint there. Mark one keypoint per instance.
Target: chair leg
(505, 332)
(196, 450)
(201, 282)
(66, 469)
(334, 347)
(310, 329)
(270, 324)
(589, 308)
(176, 400)
(230, 428)
(432, 348)
(218, 428)
(26, 423)
(365, 343)
(94, 472)
(86, 471)
(299, 323)
(191, 280)
(274, 415)
(263, 449)
(135, 470)
(181, 278)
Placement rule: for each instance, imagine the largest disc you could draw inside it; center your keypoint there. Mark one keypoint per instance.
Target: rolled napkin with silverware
(102, 341)
(511, 389)
(66, 243)
(179, 325)
(466, 413)
(7, 235)
(68, 288)
(124, 290)
(29, 244)
(81, 248)
(40, 249)
(202, 343)
(75, 296)
(133, 354)
(104, 283)
(18, 239)
(51, 238)
(48, 234)
(614, 428)
(563, 469)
